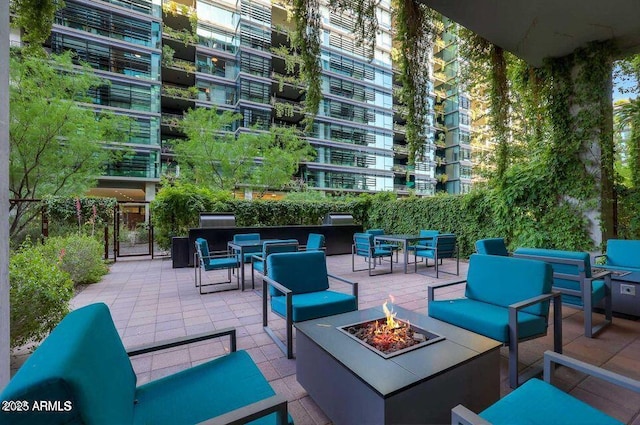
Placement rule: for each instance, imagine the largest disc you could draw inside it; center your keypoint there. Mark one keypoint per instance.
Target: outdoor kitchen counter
(353, 384)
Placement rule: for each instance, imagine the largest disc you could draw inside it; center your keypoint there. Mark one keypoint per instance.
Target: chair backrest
(363, 243)
(445, 243)
(375, 232)
(246, 237)
(492, 246)
(315, 242)
(83, 362)
(579, 267)
(623, 253)
(431, 234)
(285, 245)
(302, 272)
(506, 280)
(202, 249)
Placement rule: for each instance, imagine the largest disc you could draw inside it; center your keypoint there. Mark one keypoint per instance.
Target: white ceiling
(536, 29)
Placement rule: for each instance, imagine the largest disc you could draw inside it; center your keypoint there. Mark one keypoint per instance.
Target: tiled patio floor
(151, 301)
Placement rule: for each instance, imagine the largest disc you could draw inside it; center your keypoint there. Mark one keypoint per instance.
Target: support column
(149, 195)
(5, 350)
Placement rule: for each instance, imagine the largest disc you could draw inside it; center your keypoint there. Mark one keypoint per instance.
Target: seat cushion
(82, 361)
(202, 392)
(429, 253)
(258, 265)
(315, 304)
(381, 252)
(538, 403)
(220, 263)
(486, 319)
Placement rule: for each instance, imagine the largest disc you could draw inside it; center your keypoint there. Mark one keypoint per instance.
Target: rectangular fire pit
(354, 384)
(419, 336)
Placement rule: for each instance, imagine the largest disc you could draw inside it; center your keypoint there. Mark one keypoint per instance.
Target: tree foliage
(219, 159)
(56, 144)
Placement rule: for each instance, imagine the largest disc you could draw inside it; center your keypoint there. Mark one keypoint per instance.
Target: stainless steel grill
(217, 220)
(335, 218)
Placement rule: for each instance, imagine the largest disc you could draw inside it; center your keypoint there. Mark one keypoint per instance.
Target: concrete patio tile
(267, 370)
(169, 334)
(314, 411)
(285, 367)
(169, 324)
(619, 412)
(299, 413)
(142, 363)
(165, 359)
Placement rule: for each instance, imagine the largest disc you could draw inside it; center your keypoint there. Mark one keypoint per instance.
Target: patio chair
(424, 243)
(83, 371)
(580, 289)
(269, 247)
(213, 260)
(444, 246)
(315, 242)
(363, 246)
(388, 246)
(506, 299)
(299, 290)
(539, 402)
(248, 251)
(492, 246)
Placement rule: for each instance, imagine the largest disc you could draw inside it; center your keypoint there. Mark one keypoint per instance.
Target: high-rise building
(163, 59)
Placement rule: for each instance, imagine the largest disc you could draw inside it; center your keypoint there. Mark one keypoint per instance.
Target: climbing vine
(366, 21)
(36, 18)
(306, 39)
(414, 36)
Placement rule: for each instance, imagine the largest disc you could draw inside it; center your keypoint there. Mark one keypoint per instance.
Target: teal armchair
(83, 367)
(364, 246)
(444, 246)
(580, 288)
(315, 242)
(207, 260)
(506, 299)
(492, 246)
(622, 255)
(258, 262)
(297, 289)
(248, 251)
(539, 402)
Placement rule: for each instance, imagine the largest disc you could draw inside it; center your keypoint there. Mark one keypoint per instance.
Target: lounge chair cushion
(485, 318)
(492, 246)
(312, 266)
(203, 391)
(537, 402)
(83, 361)
(312, 305)
(622, 254)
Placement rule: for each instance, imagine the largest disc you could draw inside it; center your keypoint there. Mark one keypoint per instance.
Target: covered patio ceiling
(536, 29)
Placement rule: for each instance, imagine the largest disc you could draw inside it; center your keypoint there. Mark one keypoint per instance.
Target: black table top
(389, 376)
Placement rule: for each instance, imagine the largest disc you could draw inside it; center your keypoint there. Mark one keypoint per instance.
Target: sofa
(82, 372)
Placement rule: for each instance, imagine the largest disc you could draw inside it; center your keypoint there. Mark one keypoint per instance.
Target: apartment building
(163, 58)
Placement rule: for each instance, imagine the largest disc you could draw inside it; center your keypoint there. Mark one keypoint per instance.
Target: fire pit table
(355, 384)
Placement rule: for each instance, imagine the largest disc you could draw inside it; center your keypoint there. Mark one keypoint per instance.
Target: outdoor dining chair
(213, 260)
(363, 246)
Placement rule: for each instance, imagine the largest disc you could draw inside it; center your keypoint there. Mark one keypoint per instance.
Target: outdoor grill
(217, 220)
(334, 218)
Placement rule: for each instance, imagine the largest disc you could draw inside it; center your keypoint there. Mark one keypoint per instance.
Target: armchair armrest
(218, 254)
(353, 284)
(460, 415)
(551, 358)
(176, 342)
(251, 412)
(431, 288)
(276, 285)
(256, 257)
(601, 274)
(535, 300)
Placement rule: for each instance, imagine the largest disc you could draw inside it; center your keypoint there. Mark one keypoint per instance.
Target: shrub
(79, 255)
(40, 295)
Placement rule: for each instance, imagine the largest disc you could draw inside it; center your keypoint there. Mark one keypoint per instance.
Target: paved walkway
(150, 301)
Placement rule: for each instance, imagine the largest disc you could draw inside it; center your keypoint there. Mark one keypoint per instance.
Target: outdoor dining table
(241, 246)
(405, 240)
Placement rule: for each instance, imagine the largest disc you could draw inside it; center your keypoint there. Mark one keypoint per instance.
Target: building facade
(162, 59)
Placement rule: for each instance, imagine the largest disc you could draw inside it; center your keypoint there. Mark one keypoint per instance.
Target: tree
(215, 157)
(56, 143)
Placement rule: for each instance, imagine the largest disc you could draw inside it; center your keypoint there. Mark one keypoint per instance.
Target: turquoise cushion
(599, 291)
(301, 272)
(258, 265)
(424, 243)
(538, 403)
(220, 263)
(562, 268)
(202, 392)
(315, 304)
(505, 280)
(204, 246)
(429, 253)
(486, 319)
(315, 242)
(492, 246)
(623, 253)
(82, 361)
(243, 237)
(363, 244)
